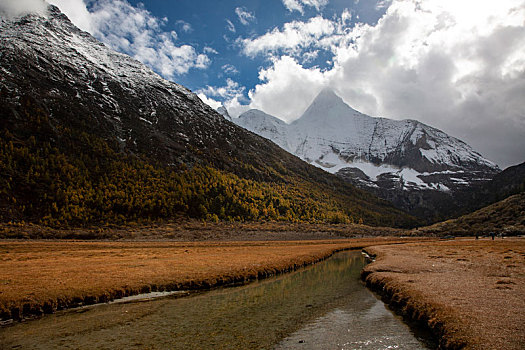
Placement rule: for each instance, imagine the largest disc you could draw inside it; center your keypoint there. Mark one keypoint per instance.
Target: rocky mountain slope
(91, 136)
(413, 165)
(510, 181)
(504, 184)
(503, 217)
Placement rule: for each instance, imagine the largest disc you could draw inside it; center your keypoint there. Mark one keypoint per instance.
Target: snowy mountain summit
(385, 155)
(224, 112)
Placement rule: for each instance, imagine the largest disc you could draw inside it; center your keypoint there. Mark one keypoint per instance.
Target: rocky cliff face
(415, 166)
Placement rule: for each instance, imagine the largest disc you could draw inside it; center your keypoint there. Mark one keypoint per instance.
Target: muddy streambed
(324, 306)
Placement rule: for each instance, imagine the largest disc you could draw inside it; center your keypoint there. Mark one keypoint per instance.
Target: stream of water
(324, 306)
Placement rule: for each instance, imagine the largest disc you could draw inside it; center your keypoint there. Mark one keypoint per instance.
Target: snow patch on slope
(266, 126)
(333, 136)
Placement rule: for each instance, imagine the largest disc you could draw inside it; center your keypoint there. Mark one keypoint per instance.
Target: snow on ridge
(224, 112)
(333, 136)
(266, 126)
(59, 39)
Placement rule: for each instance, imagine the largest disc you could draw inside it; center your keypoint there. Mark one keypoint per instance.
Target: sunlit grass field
(39, 277)
(471, 292)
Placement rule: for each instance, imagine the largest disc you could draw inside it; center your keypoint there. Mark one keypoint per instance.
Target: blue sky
(217, 25)
(456, 65)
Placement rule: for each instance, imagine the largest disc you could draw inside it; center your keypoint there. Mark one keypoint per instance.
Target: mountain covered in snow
(90, 136)
(224, 112)
(414, 165)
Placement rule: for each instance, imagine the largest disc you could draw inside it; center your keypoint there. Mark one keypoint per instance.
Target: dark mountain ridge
(505, 217)
(506, 183)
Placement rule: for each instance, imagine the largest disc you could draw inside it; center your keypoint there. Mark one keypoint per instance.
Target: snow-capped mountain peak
(327, 107)
(373, 152)
(224, 112)
(266, 126)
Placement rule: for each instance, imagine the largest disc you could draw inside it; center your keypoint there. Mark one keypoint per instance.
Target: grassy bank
(471, 293)
(38, 277)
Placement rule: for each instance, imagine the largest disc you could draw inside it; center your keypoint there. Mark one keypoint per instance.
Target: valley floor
(470, 292)
(39, 277)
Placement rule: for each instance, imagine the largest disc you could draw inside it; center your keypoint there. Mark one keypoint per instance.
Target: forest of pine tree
(61, 177)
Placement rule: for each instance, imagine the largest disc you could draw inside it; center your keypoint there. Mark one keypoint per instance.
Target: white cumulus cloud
(287, 78)
(185, 26)
(294, 37)
(209, 101)
(210, 50)
(230, 26)
(136, 32)
(229, 69)
(245, 17)
(232, 93)
(298, 5)
(231, 89)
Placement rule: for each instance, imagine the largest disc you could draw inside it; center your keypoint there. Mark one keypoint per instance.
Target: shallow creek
(324, 306)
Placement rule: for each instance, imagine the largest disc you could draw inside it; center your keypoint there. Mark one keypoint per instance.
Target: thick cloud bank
(456, 65)
(21, 7)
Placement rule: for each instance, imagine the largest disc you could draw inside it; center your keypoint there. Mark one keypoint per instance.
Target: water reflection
(324, 306)
(363, 322)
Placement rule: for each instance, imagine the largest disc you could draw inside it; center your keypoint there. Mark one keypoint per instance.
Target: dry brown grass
(470, 292)
(39, 277)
